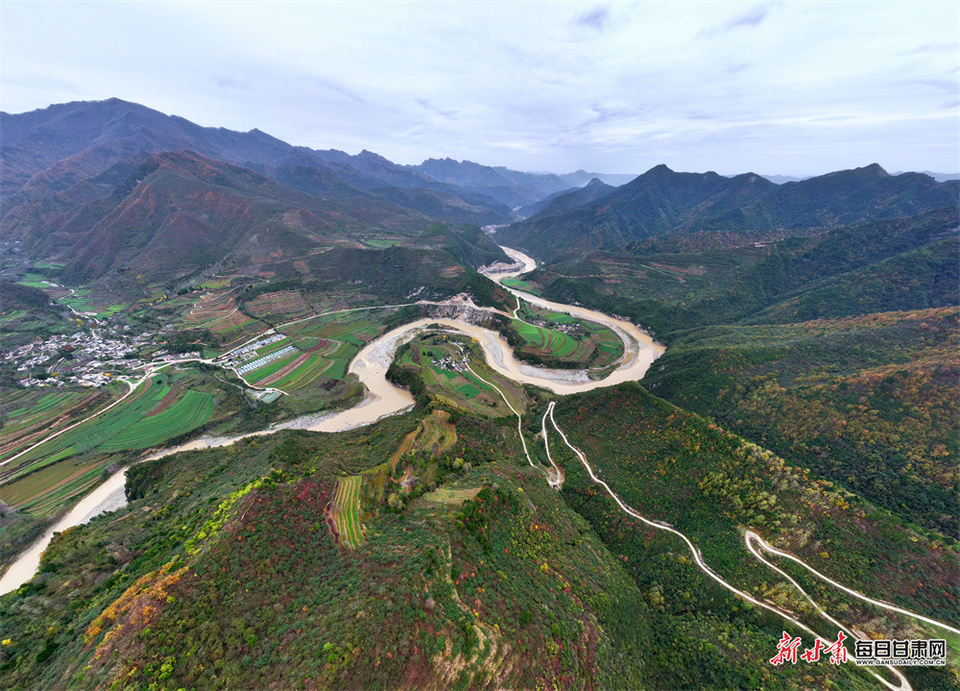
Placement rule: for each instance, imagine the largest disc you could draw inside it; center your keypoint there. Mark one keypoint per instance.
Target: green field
(517, 284)
(382, 242)
(544, 339)
(154, 413)
(346, 512)
(34, 281)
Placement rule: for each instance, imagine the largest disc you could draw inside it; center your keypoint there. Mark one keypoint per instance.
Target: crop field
(78, 302)
(31, 414)
(34, 281)
(12, 316)
(357, 328)
(42, 493)
(383, 242)
(218, 312)
(189, 410)
(549, 342)
(287, 304)
(461, 389)
(526, 287)
(324, 348)
(154, 413)
(346, 512)
(590, 344)
(311, 357)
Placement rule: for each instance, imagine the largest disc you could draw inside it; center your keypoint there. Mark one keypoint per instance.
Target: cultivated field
(345, 511)
(155, 413)
(466, 389)
(564, 339)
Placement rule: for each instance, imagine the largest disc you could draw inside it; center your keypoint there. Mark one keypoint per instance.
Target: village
(88, 358)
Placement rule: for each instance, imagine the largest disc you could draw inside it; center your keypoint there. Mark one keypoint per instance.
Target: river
(383, 398)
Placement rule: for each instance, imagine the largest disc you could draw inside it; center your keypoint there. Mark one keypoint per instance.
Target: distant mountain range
(111, 188)
(662, 201)
(509, 186)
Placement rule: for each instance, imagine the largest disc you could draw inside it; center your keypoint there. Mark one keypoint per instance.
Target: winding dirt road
(751, 539)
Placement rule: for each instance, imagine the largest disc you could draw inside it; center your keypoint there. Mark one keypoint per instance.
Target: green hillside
(745, 207)
(224, 570)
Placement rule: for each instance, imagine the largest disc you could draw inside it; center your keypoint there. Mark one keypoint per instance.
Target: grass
(453, 497)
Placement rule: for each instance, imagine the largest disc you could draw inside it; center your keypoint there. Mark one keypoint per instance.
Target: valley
(269, 424)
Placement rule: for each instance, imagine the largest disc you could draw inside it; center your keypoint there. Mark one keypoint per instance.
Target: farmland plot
(345, 511)
(154, 413)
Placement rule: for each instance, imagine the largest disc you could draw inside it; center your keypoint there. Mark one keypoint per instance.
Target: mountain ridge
(662, 201)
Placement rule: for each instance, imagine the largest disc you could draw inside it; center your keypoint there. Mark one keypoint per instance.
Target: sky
(791, 88)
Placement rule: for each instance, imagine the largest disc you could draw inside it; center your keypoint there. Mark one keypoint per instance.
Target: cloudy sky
(795, 88)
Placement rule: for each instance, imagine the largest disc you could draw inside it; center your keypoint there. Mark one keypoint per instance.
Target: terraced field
(287, 304)
(218, 312)
(155, 413)
(550, 343)
(564, 339)
(31, 414)
(345, 511)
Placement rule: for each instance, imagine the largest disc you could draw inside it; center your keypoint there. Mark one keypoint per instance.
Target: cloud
(425, 103)
(596, 19)
(930, 48)
(229, 83)
(752, 18)
(332, 85)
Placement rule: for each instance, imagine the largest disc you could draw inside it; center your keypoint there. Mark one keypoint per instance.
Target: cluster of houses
(449, 363)
(569, 329)
(237, 356)
(81, 358)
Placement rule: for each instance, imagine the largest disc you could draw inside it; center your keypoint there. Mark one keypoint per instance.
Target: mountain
(179, 213)
(431, 201)
(567, 200)
(656, 202)
(662, 201)
(939, 177)
(54, 148)
(511, 187)
(795, 343)
(780, 179)
(50, 150)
